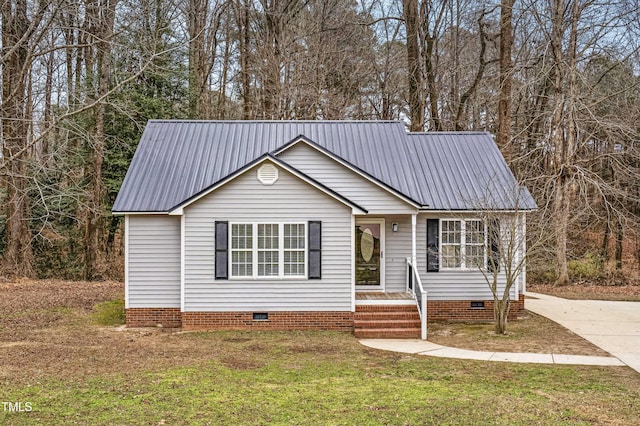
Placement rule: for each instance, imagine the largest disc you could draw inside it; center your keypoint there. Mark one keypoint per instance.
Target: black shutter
(493, 259)
(222, 250)
(315, 250)
(433, 235)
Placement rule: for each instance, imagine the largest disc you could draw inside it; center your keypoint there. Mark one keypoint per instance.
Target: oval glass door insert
(366, 245)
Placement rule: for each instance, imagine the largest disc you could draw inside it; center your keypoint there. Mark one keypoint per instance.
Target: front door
(369, 254)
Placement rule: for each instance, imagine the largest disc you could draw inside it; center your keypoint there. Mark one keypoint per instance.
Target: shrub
(589, 267)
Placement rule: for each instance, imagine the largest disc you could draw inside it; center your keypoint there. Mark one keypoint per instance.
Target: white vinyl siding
(452, 284)
(329, 172)
(154, 261)
(288, 201)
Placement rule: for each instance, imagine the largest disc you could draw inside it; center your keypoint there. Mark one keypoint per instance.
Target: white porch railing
(414, 286)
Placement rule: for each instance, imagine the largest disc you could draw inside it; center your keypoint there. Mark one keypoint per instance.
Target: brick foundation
(338, 321)
(151, 317)
(437, 310)
(461, 310)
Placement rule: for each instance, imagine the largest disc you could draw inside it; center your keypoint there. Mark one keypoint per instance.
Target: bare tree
(204, 24)
(21, 32)
(506, 266)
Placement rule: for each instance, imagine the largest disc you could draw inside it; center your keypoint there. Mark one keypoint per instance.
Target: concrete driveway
(613, 326)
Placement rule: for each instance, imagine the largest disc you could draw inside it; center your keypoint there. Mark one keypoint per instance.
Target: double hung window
(263, 250)
(463, 244)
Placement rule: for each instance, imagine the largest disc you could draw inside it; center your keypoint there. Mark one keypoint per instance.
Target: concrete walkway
(612, 326)
(423, 347)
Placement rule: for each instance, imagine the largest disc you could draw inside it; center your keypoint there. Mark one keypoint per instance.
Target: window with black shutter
(433, 234)
(493, 260)
(315, 250)
(222, 250)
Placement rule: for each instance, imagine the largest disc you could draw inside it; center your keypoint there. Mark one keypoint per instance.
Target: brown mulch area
(589, 291)
(530, 333)
(47, 331)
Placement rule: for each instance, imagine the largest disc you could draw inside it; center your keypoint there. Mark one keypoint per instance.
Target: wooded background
(557, 82)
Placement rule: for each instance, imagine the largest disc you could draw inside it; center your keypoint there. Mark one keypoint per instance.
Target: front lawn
(71, 370)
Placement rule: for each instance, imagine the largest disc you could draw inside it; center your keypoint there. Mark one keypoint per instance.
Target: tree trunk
(244, 51)
(416, 99)
(482, 64)
(562, 136)
(222, 95)
(506, 69)
(18, 255)
(619, 240)
(95, 262)
(44, 151)
(500, 314)
(561, 208)
(429, 56)
(197, 16)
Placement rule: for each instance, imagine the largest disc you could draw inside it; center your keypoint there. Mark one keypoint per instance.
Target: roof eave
(138, 213)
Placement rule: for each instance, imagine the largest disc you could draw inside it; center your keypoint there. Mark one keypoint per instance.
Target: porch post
(413, 239)
(353, 263)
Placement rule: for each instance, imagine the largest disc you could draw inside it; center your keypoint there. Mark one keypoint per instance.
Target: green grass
(109, 313)
(329, 379)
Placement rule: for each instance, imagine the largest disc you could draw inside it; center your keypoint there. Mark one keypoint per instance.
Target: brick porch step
(393, 315)
(388, 333)
(386, 321)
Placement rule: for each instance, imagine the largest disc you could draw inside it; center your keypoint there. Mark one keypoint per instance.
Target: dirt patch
(311, 348)
(236, 363)
(237, 339)
(31, 305)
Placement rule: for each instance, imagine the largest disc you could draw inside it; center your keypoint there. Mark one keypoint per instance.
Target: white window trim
(463, 245)
(281, 251)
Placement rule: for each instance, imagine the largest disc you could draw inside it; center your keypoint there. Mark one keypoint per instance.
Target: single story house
(341, 225)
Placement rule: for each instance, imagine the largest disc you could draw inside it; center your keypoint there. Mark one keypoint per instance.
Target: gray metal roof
(464, 171)
(177, 159)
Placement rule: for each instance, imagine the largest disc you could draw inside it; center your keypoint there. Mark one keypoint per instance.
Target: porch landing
(379, 295)
(381, 298)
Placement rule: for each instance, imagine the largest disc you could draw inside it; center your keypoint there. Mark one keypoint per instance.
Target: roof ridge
(452, 132)
(169, 120)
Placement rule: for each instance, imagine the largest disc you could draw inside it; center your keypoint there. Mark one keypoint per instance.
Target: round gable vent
(268, 174)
